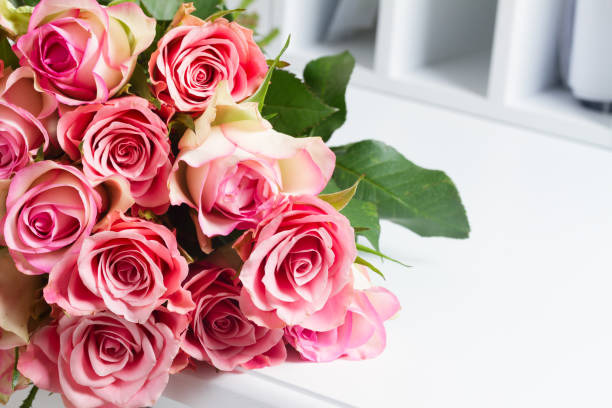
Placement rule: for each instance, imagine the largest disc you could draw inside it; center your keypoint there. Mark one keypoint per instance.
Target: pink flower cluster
(88, 224)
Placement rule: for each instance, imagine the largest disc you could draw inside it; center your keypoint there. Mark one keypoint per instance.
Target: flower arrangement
(168, 199)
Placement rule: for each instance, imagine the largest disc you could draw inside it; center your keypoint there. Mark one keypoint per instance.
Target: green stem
(27, 403)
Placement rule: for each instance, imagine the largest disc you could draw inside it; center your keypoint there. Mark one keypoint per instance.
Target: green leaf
(360, 261)
(425, 201)
(273, 115)
(223, 13)
(298, 109)
(364, 248)
(40, 154)
(140, 86)
(262, 91)
(328, 78)
(362, 215)
(27, 403)
(162, 9)
(205, 8)
(341, 198)
(184, 119)
(7, 55)
(280, 64)
(30, 3)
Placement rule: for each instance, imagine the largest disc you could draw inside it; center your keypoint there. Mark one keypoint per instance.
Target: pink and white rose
(103, 360)
(19, 88)
(297, 268)
(21, 135)
(131, 267)
(219, 333)
(234, 167)
(50, 209)
(361, 336)
(81, 51)
(193, 58)
(125, 137)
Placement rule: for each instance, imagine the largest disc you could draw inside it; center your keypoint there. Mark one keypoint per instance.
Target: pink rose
(51, 208)
(219, 333)
(103, 360)
(83, 52)
(130, 268)
(123, 136)
(232, 171)
(7, 365)
(361, 336)
(297, 268)
(21, 135)
(193, 58)
(19, 88)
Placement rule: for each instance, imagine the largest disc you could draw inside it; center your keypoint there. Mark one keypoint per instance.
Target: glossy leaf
(328, 77)
(205, 8)
(425, 201)
(162, 9)
(297, 107)
(362, 215)
(7, 55)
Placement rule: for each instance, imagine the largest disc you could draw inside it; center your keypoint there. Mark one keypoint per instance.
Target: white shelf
(466, 73)
(361, 47)
(494, 58)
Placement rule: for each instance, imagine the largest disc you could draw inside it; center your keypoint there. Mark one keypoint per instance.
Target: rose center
(42, 224)
(224, 324)
(110, 349)
(243, 191)
(57, 56)
(126, 272)
(126, 152)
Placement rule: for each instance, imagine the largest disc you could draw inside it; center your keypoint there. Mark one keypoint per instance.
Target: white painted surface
(516, 316)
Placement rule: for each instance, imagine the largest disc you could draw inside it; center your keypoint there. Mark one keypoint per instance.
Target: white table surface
(519, 315)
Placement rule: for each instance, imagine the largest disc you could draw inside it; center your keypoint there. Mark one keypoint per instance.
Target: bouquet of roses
(167, 198)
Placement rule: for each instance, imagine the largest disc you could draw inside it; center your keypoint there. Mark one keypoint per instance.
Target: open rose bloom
(152, 219)
(83, 52)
